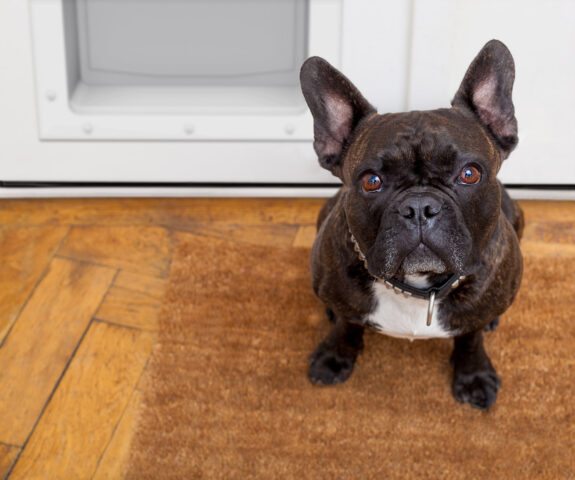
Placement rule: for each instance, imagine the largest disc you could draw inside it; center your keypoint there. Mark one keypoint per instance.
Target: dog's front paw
(479, 389)
(330, 365)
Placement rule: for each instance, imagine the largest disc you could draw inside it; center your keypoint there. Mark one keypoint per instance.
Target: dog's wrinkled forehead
(429, 141)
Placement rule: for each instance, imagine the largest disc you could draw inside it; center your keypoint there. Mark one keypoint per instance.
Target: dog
(422, 240)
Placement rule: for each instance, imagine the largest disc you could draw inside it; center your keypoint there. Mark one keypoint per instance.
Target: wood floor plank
(113, 462)
(139, 249)
(152, 286)
(305, 236)
(42, 341)
(170, 212)
(187, 211)
(77, 425)
(8, 454)
(24, 255)
(133, 300)
(537, 210)
(278, 235)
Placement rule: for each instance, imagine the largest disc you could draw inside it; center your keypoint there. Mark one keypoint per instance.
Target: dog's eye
(371, 183)
(470, 175)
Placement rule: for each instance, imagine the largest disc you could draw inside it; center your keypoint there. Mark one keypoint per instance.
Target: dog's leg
(333, 359)
(474, 378)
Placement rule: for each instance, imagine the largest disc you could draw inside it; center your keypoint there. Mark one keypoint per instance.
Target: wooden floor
(81, 284)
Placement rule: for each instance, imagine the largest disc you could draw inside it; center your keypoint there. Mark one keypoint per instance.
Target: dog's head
(421, 190)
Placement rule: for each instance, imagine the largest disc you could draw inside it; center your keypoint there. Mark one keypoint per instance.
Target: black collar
(440, 290)
(400, 287)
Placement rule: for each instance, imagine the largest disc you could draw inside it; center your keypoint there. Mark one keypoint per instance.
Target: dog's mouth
(422, 268)
(402, 262)
(422, 261)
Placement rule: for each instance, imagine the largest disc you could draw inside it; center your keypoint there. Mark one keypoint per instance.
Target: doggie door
(212, 69)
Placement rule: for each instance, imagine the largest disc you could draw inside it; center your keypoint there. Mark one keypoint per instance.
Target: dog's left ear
(337, 107)
(486, 89)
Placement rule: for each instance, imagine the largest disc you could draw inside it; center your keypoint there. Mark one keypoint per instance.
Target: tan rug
(228, 396)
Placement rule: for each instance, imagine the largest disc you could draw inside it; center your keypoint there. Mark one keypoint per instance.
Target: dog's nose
(420, 210)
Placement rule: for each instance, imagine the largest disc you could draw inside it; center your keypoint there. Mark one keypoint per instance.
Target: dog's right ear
(486, 90)
(337, 107)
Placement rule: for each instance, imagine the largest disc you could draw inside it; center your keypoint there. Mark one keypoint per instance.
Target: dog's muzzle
(421, 232)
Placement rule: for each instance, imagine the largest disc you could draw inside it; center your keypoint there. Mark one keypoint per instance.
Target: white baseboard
(541, 194)
(215, 192)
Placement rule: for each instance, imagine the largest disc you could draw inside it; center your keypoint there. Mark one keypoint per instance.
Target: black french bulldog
(422, 240)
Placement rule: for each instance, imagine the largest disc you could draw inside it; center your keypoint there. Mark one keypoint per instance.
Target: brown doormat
(227, 396)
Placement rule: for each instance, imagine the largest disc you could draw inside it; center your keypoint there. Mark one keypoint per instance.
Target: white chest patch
(398, 316)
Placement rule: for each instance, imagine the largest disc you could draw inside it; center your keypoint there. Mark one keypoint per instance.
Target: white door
(403, 55)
